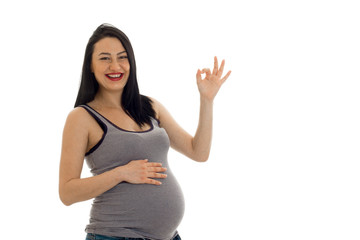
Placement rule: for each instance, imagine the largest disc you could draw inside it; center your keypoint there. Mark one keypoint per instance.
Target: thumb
(198, 76)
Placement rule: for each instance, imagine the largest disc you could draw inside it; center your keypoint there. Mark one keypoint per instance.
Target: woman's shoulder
(160, 111)
(78, 112)
(78, 118)
(153, 101)
(156, 105)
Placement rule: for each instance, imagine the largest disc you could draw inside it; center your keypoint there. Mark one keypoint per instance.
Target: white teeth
(114, 76)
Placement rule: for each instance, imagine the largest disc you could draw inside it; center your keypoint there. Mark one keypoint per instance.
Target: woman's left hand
(211, 83)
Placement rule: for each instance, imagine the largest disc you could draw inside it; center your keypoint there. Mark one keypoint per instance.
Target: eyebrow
(105, 53)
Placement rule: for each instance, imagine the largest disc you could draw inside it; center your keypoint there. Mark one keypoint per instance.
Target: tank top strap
(155, 122)
(98, 117)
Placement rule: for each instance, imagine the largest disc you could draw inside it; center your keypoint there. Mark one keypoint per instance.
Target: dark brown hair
(137, 106)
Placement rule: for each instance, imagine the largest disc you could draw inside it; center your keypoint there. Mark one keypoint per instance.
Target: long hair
(137, 106)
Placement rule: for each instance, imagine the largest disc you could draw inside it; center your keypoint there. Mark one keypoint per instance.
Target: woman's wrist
(206, 100)
(119, 174)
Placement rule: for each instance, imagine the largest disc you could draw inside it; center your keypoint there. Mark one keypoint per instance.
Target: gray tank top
(134, 210)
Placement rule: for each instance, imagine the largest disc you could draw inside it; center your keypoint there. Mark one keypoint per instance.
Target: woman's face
(110, 64)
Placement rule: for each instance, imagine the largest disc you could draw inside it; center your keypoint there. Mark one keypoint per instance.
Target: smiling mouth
(115, 76)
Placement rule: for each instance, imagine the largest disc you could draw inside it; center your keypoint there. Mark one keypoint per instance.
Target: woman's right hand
(143, 171)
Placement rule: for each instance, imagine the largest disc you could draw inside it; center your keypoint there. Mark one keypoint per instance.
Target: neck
(108, 99)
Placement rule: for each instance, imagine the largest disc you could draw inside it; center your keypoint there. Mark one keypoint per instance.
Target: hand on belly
(142, 171)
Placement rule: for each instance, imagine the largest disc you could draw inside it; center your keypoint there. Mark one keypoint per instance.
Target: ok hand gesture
(211, 83)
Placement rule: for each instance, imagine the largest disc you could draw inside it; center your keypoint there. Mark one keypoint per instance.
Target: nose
(114, 66)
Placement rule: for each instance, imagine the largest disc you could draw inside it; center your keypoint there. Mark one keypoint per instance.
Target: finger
(216, 66)
(226, 77)
(153, 164)
(207, 72)
(152, 181)
(221, 68)
(157, 175)
(156, 169)
(198, 76)
(143, 161)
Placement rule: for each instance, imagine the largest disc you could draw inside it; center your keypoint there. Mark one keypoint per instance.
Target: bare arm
(73, 188)
(197, 147)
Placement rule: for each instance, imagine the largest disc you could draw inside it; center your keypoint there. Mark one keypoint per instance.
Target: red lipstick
(115, 76)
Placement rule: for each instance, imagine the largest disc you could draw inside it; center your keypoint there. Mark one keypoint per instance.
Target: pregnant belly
(148, 210)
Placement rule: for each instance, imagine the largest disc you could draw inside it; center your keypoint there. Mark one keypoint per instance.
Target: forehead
(109, 45)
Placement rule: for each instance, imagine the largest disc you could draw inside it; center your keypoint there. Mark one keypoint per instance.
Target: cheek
(98, 68)
(92, 66)
(125, 65)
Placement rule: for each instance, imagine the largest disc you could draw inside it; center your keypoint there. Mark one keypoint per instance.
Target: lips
(115, 76)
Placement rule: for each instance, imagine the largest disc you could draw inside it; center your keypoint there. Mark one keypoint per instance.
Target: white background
(285, 156)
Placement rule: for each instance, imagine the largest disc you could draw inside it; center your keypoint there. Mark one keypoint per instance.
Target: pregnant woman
(125, 137)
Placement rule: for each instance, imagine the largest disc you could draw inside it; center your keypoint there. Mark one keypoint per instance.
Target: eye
(122, 57)
(105, 58)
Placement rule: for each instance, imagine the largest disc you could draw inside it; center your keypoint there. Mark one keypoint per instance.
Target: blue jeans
(91, 236)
